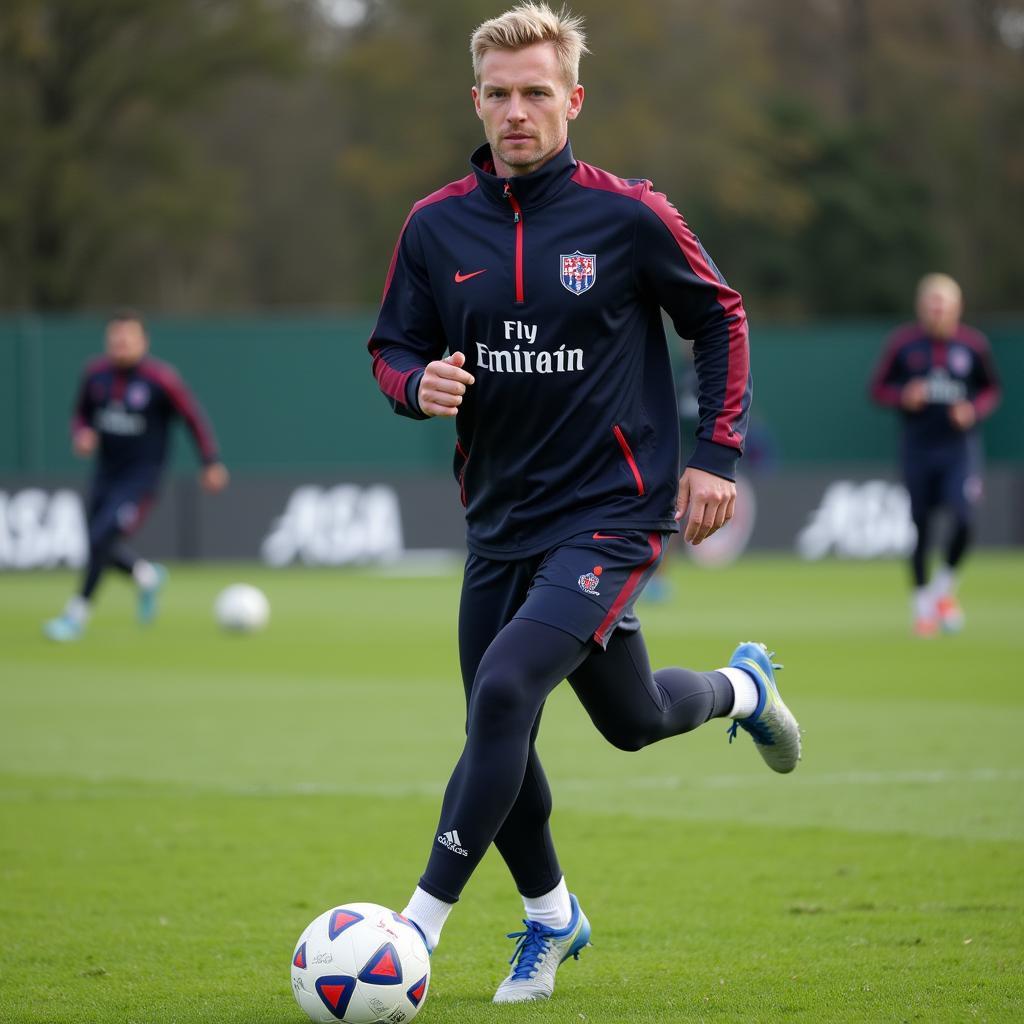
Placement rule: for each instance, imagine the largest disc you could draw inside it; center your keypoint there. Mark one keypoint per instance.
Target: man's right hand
(443, 384)
(915, 394)
(84, 442)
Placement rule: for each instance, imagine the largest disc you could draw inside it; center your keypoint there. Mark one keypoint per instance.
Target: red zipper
(628, 452)
(518, 214)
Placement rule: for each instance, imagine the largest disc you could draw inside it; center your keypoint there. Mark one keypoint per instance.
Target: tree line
(194, 156)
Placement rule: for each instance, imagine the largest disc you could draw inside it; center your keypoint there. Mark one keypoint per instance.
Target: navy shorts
(940, 476)
(118, 507)
(585, 586)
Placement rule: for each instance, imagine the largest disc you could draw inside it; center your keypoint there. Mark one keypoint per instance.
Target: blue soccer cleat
(772, 726)
(539, 952)
(63, 629)
(148, 600)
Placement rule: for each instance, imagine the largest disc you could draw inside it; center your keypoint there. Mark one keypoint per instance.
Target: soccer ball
(362, 964)
(242, 608)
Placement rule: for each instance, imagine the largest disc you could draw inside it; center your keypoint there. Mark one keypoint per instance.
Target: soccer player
(544, 279)
(940, 375)
(126, 403)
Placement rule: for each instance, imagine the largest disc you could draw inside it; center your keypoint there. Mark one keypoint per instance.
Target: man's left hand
(214, 477)
(710, 501)
(963, 415)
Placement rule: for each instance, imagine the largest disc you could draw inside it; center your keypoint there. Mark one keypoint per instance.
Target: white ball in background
(242, 608)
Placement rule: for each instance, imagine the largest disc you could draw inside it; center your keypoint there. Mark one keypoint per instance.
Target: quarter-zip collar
(531, 190)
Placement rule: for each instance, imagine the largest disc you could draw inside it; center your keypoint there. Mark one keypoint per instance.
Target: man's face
(126, 342)
(938, 309)
(525, 105)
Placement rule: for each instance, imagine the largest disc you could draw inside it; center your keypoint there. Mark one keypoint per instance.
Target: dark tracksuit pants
(937, 476)
(116, 509)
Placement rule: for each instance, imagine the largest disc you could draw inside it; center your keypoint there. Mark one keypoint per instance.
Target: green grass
(176, 805)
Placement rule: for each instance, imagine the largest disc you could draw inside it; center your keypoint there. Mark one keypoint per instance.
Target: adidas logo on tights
(451, 841)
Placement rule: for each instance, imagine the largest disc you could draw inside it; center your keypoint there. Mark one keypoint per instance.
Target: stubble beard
(523, 160)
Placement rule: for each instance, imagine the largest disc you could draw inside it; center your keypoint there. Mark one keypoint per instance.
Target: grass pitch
(177, 804)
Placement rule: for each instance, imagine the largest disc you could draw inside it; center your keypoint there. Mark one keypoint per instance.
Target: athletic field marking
(895, 778)
(119, 788)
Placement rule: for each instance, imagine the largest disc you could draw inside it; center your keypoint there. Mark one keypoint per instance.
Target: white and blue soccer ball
(362, 964)
(242, 608)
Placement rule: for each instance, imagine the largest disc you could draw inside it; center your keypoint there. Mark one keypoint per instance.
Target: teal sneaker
(148, 601)
(772, 726)
(63, 629)
(539, 953)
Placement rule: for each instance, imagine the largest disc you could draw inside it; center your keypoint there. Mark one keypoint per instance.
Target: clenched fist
(443, 384)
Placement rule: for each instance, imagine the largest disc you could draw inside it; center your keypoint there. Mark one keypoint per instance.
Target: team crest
(960, 361)
(588, 584)
(579, 272)
(137, 395)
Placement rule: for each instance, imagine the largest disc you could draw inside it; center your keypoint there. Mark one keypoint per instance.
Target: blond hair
(939, 282)
(528, 23)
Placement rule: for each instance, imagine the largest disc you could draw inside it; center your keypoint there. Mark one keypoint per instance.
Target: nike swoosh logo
(607, 536)
(460, 276)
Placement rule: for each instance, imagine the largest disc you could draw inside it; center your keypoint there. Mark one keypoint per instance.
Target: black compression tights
(959, 541)
(629, 705)
(109, 550)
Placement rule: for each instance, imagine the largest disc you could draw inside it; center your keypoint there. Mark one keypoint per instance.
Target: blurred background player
(126, 403)
(940, 375)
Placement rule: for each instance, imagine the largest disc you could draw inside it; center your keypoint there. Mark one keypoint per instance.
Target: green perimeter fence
(295, 393)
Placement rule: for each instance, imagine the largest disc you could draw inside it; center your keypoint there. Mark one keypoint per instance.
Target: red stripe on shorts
(600, 635)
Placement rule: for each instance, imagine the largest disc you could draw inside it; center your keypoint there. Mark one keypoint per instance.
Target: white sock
(552, 909)
(144, 574)
(944, 582)
(745, 692)
(924, 603)
(429, 913)
(77, 610)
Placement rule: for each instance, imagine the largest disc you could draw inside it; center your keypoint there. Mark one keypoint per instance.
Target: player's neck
(128, 367)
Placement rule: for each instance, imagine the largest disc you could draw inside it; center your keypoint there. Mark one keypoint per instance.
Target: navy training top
(955, 370)
(552, 284)
(132, 410)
